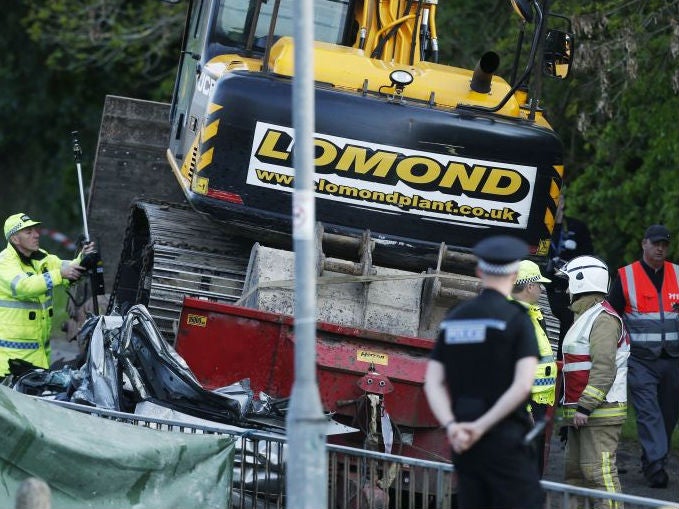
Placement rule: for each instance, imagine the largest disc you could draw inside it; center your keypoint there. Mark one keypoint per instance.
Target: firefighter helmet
(586, 274)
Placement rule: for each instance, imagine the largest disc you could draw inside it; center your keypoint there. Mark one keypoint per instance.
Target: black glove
(19, 367)
(563, 434)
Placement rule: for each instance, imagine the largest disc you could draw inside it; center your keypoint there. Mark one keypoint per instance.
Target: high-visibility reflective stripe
(653, 318)
(651, 321)
(631, 287)
(15, 282)
(618, 411)
(642, 317)
(646, 329)
(17, 304)
(594, 392)
(19, 345)
(654, 338)
(607, 475)
(577, 366)
(576, 349)
(546, 359)
(544, 381)
(674, 268)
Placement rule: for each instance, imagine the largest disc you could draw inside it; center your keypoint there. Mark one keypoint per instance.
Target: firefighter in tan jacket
(595, 352)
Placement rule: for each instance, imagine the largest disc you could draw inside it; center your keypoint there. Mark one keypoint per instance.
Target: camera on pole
(91, 261)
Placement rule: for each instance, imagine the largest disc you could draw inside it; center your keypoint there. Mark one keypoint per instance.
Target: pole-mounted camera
(91, 261)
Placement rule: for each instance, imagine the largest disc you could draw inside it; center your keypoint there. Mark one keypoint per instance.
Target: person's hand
(457, 437)
(88, 248)
(462, 436)
(462, 440)
(580, 419)
(72, 272)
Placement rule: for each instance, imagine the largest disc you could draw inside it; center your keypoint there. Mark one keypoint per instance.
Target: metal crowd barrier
(565, 496)
(365, 479)
(357, 478)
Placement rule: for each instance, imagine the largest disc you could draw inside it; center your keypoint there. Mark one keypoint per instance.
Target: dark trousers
(539, 412)
(499, 472)
(654, 387)
(559, 304)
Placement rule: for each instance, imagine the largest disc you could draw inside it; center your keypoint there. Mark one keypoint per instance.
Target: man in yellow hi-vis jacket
(28, 276)
(527, 289)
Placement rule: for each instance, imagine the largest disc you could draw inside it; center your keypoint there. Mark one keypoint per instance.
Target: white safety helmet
(586, 274)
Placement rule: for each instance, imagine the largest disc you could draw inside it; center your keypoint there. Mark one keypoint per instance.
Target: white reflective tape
(577, 366)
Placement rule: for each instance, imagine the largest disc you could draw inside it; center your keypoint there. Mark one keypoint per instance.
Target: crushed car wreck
(129, 367)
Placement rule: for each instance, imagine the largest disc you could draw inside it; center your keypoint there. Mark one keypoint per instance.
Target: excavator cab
(376, 27)
(250, 26)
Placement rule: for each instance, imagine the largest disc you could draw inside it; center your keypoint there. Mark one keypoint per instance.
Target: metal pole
(539, 57)
(78, 155)
(96, 269)
(307, 465)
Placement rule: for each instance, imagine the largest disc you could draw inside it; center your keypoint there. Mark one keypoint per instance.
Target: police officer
(28, 276)
(527, 290)
(646, 294)
(478, 382)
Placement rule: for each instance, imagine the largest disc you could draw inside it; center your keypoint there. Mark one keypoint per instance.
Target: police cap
(500, 255)
(17, 222)
(529, 272)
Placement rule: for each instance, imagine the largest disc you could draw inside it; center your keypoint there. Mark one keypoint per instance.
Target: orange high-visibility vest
(651, 317)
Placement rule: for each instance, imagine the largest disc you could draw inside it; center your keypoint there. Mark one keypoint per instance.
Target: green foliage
(130, 39)
(620, 120)
(616, 113)
(468, 29)
(60, 59)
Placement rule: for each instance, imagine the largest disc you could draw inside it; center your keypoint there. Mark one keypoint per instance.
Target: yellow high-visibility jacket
(544, 385)
(26, 288)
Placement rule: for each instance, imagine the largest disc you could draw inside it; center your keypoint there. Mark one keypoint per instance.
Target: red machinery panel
(223, 343)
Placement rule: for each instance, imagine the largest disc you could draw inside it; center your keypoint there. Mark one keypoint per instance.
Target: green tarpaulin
(91, 462)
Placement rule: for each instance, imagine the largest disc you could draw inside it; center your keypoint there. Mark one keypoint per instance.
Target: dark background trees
(60, 59)
(619, 122)
(617, 113)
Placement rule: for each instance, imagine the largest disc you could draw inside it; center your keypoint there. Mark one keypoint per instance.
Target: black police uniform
(479, 344)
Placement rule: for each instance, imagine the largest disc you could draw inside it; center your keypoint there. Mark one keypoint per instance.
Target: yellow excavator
(415, 161)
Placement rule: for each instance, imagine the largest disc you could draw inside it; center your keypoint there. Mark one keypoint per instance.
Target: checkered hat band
(499, 269)
(526, 280)
(16, 228)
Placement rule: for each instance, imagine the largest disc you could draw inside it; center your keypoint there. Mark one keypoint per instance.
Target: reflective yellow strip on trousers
(619, 411)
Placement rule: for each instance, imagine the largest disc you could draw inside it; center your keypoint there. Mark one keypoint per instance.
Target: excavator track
(171, 251)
